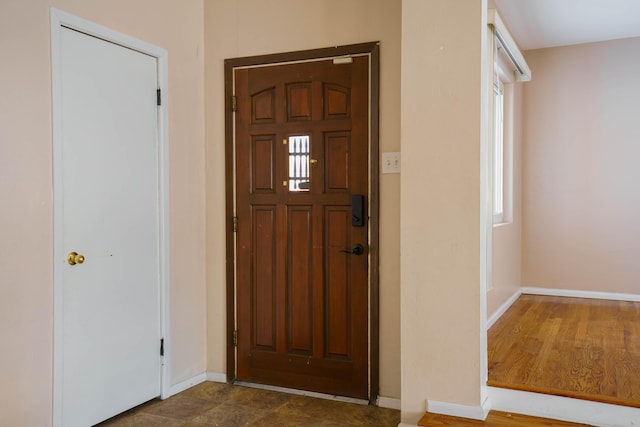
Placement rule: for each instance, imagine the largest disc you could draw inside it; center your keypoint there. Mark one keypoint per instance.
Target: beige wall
(443, 123)
(507, 237)
(26, 238)
(252, 27)
(581, 202)
(442, 69)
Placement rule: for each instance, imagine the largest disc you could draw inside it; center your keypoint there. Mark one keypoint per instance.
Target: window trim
(503, 80)
(498, 152)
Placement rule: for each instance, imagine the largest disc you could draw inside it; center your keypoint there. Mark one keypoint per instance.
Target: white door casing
(110, 205)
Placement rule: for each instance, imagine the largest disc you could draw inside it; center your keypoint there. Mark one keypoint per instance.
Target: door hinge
(234, 103)
(161, 346)
(234, 224)
(235, 338)
(158, 97)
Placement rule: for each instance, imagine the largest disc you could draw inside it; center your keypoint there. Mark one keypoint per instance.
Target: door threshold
(303, 393)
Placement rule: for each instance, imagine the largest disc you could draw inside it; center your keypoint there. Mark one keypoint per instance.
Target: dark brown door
(301, 154)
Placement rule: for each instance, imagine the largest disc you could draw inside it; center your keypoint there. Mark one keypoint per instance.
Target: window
(498, 150)
(502, 139)
(299, 163)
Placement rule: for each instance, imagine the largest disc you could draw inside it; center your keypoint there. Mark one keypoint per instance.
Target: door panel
(336, 159)
(337, 311)
(264, 326)
(302, 299)
(263, 170)
(111, 302)
(299, 284)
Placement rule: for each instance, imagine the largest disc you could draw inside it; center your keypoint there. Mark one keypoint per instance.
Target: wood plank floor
(495, 419)
(582, 348)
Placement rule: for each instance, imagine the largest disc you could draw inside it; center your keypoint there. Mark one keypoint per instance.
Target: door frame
(58, 21)
(372, 49)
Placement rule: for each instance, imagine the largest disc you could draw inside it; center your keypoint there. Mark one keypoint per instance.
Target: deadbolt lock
(75, 258)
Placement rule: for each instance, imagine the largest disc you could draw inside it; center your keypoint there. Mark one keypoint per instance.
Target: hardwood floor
(582, 348)
(495, 419)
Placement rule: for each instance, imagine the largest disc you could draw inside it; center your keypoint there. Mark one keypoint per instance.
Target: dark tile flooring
(215, 404)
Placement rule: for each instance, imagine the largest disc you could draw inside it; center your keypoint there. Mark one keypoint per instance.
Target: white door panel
(111, 302)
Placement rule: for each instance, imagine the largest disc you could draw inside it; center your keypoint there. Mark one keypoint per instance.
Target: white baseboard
(389, 402)
(563, 408)
(503, 308)
(580, 294)
(183, 385)
(456, 410)
(217, 377)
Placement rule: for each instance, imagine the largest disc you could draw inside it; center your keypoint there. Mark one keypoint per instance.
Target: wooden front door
(302, 155)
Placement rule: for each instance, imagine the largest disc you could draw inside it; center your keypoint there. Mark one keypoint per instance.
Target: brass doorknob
(75, 258)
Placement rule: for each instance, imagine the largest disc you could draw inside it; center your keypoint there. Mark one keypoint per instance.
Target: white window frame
(502, 138)
(498, 151)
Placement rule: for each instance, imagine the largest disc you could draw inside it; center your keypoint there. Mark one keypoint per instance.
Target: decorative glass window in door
(299, 163)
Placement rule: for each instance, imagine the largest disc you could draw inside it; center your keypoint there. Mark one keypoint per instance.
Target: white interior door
(110, 333)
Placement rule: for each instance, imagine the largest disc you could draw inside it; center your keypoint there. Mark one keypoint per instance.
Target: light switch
(391, 162)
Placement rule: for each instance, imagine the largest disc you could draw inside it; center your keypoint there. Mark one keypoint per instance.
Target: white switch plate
(391, 162)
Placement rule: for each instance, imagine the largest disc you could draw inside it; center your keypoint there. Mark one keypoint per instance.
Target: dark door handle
(356, 250)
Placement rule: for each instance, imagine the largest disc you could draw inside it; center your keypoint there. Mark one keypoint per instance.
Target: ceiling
(538, 24)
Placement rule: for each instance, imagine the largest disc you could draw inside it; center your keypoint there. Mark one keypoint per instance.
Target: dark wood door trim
(372, 49)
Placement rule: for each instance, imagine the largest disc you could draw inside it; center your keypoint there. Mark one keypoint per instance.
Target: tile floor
(215, 404)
